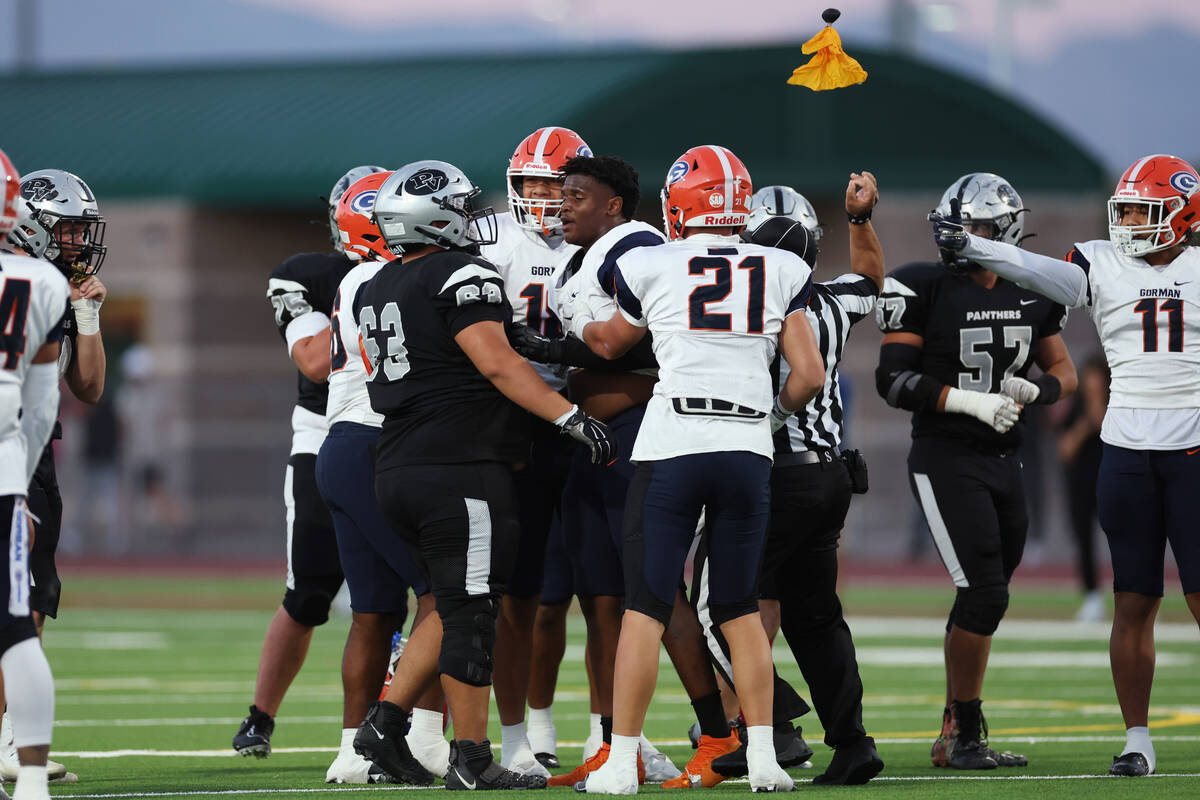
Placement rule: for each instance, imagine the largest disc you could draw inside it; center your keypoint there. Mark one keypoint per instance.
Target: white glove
(87, 316)
(779, 416)
(996, 410)
(1023, 392)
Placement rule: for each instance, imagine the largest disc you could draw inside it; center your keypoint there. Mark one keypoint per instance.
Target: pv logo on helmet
(677, 171)
(38, 190)
(427, 181)
(364, 202)
(1185, 182)
(716, 199)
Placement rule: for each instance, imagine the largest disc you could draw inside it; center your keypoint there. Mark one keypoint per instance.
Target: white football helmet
(784, 201)
(987, 198)
(343, 183)
(58, 219)
(429, 202)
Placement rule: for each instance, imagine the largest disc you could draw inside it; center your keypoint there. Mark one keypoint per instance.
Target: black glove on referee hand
(594, 433)
(529, 343)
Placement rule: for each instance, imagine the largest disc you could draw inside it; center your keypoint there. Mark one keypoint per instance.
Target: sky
(1112, 73)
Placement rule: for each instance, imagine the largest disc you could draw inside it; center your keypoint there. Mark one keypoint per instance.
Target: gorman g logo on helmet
(364, 202)
(677, 171)
(583, 152)
(1185, 182)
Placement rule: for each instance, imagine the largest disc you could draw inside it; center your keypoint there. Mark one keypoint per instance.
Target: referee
(811, 486)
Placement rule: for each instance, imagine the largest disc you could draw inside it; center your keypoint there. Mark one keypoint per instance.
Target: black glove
(529, 343)
(949, 233)
(594, 433)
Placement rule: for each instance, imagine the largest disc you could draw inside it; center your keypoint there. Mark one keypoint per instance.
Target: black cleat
(547, 760)
(254, 737)
(1130, 765)
(971, 754)
(852, 765)
(1007, 759)
(790, 751)
(461, 775)
(384, 746)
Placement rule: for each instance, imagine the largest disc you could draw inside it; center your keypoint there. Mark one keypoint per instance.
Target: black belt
(804, 457)
(711, 407)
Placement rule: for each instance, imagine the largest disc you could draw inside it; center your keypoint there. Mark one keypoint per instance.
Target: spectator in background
(1080, 450)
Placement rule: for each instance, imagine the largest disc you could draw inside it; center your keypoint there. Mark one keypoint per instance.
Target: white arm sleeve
(1058, 280)
(39, 409)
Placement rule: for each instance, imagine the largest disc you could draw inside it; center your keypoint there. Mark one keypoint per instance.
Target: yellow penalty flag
(830, 68)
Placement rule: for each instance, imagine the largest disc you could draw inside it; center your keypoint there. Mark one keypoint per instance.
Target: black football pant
(45, 503)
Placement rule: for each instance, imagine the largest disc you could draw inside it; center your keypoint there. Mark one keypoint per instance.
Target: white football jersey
(531, 265)
(348, 399)
(593, 280)
(716, 307)
(34, 298)
(1148, 319)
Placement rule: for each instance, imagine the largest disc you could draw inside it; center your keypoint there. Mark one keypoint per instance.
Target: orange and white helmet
(707, 187)
(360, 239)
(1169, 187)
(9, 196)
(541, 154)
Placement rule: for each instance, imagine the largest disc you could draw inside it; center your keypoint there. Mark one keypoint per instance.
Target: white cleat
(608, 780)
(9, 763)
(350, 767)
(766, 775)
(659, 767)
(432, 753)
(1093, 609)
(524, 762)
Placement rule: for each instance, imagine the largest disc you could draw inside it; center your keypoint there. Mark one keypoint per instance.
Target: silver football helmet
(784, 201)
(990, 207)
(339, 189)
(429, 202)
(58, 219)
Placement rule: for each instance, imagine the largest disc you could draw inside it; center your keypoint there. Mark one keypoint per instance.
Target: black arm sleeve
(900, 384)
(577, 354)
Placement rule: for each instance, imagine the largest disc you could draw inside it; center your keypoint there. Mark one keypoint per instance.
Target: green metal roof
(282, 134)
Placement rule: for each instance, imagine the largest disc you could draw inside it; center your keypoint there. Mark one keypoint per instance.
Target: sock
(623, 755)
(393, 719)
(1137, 740)
(512, 741)
(594, 725)
(606, 729)
(347, 745)
(711, 715)
(29, 689)
(31, 781)
(541, 726)
(968, 713)
(426, 726)
(760, 739)
(595, 737)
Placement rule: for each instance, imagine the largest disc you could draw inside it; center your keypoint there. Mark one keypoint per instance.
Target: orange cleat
(591, 765)
(944, 746)
(699, 772)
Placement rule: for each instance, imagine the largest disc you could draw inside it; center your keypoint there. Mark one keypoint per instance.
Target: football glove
(949, 234)
(529, 343)
(591, 432)
(998, 411)
(779, 416)
(1022, 392)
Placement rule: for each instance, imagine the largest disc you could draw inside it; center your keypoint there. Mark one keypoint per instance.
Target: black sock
(476, 755)
(393, 719)
(711, 715)
(606, 729)
(969, 714)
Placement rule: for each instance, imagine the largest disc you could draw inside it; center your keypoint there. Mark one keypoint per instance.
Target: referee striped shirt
(834, 307)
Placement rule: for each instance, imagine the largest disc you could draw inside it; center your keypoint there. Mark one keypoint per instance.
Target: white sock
(1137, 740)
(347, 745)
(594, 727)
(623, 755)
(760, 739)
(426, 726)
(31, 781)
(541, 717)
(512, 740)
(29, 689)
(541, 729)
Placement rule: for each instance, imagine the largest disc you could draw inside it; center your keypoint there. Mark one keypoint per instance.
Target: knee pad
(308, 604)
(16, 632)
(468, 639)
(979, 610)
(724, 612)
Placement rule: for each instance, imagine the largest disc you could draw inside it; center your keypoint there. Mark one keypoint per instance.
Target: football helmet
(784, 201)
(1169, 188)
(541, 154)
(984, 198)
(335, 194)
(783, 232)
(9, 195)
(706, 187)
(359, 237)
(429, 202)
(58, 219)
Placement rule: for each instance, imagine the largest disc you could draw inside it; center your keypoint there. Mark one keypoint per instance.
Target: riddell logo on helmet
(721, 220)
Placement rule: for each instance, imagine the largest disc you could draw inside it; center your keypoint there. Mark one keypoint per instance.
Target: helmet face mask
(430, 203)
(1168, 190)
(541, 154)
(352, 176)
(59, 220)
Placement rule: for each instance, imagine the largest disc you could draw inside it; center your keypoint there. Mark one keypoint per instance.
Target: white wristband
(559, 422)
(87, 316)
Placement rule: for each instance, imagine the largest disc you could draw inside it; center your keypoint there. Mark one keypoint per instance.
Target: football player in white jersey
(717, 309)
(530, 255)
(34, 300)
(1142, 288)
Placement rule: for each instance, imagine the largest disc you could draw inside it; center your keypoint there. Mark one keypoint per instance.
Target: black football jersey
(301, 284)
(974, 338)
(438, 409)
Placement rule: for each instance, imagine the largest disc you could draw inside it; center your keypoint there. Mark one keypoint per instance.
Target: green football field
(154, 675)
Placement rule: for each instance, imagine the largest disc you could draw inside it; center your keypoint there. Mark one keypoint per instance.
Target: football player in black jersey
(451, 390)
(301, 291)
(957, 348)
(58, 220)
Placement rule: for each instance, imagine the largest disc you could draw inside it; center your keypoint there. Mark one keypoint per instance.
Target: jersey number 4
(699, 317)
(383, 342)
(14, 309)
(1149, 309)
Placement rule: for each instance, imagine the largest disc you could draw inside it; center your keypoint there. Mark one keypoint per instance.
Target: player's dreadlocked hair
(615, 173)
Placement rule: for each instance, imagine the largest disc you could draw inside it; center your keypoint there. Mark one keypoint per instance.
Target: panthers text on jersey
(974, 338)
(437, 408)
(301, 291)
(348, 398)
(715, 306)
(34, 299)
(531, 265)
(1148, 319)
